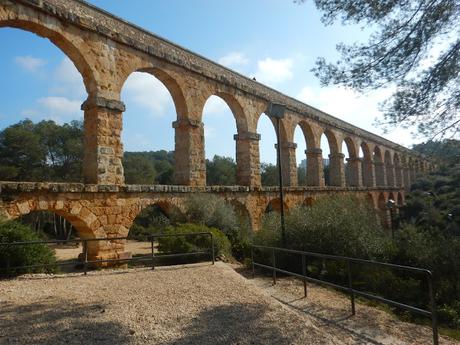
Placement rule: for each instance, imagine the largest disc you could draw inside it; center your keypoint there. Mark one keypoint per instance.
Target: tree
(301, 176)
(221, 171)
(138, 169)
(21, 154)
(149, 167)
(64, 149)
(44, 151)
(49, 224)
(269, 174)
(415, 46)
(447, 150)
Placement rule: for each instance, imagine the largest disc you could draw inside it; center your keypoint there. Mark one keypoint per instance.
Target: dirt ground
(64, 253)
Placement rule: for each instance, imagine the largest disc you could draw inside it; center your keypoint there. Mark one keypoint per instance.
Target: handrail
(350, 289)
(152, 257)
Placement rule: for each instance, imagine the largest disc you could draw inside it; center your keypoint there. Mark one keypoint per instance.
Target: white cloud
(29, 63)
(60, 109)
(64, 97)
(272, 71)
(68, 80)
(147, 92)
(234, 59)
(359, 110)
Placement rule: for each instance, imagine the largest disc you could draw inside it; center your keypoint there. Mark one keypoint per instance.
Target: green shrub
(140, 233)
(152, 215)
(340, 225)
(203, 209)
(211, 211)
(24, 255)
(450, 314)
(187, 244)
(152, 220)
(215, 212)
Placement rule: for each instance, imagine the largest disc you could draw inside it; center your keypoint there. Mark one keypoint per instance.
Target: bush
(188, 244)
(340, 225)
(140, 233)
(215, 212)
(152, 220)
(450, 314)
(211, 211)
(34, 254)
(206, 210)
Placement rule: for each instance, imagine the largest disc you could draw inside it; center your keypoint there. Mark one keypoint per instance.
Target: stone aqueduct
(106, 50)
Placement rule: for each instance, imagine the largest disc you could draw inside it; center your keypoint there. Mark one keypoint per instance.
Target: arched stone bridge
(109, 210)
(106, 50)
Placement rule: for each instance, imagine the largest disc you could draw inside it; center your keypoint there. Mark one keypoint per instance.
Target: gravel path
(196, 304)
(330, 312)
(199, 304)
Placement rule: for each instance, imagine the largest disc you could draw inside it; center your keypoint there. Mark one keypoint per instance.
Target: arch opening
(301, 158)
(379, 167)
(220, 153)
(367, 167)
(308, 202)
(352, 165)
(153, 219)
(307, 161)
(332, 159)
(275, 206)
(41, 136)
(65, 233)
(267, 151)
(50, 225)
(153, 101)
(398, 170)
(389, 170)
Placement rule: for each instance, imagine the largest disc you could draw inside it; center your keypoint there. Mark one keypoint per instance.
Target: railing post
(85, 251)
(350, 289)
(434, 316)
(153, 252)
(304, 273)
(274, 266)
(212, 249)
(252, 262)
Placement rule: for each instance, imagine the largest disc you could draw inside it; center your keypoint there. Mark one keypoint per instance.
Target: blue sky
(275, 41)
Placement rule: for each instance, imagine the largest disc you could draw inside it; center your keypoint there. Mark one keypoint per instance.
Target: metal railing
(349, 288)
(153, 257)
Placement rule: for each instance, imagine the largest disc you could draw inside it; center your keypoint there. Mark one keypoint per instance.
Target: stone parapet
(7, 187)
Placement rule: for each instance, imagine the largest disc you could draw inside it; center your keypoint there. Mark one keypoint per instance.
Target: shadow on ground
(234, 324)
(59, 322)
